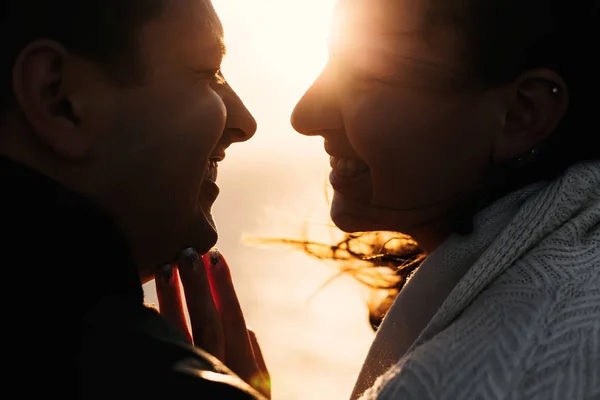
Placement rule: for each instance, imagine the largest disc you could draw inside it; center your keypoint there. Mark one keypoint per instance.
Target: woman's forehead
(392, 27)
(389, 14)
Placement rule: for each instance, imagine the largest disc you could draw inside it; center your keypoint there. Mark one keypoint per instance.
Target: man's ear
(537, 102)
(42, 93)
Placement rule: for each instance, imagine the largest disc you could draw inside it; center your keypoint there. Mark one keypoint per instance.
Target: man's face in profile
(155, 141)
(140, 134)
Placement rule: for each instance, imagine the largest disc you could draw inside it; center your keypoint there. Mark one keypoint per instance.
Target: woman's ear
(539, 101)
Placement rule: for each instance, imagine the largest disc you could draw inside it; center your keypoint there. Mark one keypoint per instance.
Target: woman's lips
(351, 177)
(347, 166)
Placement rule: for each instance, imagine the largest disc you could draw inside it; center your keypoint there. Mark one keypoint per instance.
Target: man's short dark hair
(104, 31)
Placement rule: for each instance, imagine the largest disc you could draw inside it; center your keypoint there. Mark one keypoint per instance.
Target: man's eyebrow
(222, 46)
(217, 47)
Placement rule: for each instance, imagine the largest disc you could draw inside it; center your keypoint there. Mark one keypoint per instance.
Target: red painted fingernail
(215, 257)
(189, 258)
(166, 273)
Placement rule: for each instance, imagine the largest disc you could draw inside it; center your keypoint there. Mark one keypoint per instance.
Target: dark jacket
(75, 324)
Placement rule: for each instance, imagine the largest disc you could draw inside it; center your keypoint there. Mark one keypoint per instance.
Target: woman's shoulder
(514, 338)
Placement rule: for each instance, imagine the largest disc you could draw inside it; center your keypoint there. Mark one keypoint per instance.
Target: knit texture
(523, 322)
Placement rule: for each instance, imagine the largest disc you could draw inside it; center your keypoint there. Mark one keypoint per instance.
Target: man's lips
(209, 190)
(211, 171)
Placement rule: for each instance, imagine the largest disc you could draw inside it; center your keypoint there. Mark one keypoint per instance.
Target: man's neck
(59, 245)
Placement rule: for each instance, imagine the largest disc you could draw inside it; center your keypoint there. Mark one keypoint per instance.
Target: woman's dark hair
(502, 39)
(104, 31)
(383, 261)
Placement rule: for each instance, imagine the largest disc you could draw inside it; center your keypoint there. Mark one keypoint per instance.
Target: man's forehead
(213, 22)
(217, 36)
(212, 25)
(187, 28)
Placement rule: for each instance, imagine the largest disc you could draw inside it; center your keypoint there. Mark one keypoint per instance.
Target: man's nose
(239, 117)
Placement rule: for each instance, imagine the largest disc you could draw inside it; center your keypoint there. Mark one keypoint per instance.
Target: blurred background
(314, 337)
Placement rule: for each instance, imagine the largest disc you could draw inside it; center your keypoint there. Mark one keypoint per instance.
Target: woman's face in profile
(409, 135)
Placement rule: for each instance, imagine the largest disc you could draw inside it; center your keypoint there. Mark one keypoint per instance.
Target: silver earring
(525, 159)
(555, 90)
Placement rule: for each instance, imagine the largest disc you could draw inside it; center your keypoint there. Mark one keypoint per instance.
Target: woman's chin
(350, 216)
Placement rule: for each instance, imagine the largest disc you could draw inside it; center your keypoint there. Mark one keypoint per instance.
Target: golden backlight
(276, 48)
(270, 185)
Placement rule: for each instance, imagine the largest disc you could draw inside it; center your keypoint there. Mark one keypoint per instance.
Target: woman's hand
(216, 318)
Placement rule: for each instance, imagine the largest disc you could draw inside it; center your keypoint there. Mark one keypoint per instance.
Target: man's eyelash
(217, 77)
(214, 75)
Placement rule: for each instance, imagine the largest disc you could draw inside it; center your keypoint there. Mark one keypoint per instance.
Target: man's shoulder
(145, 361)
(186, 379)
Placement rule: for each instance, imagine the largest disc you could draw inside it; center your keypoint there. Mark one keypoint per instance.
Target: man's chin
(207, 235)
(201, 236)
(211, 221)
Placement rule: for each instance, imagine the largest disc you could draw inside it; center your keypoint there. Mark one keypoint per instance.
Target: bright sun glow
(314, 345)
(276, 48)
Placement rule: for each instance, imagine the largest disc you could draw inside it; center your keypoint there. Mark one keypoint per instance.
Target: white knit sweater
(523, 322)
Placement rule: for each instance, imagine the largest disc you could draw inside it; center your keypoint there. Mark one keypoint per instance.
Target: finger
(262, 382)
(256, 350)
(239, 355)
(170, 300)
(206, 325)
